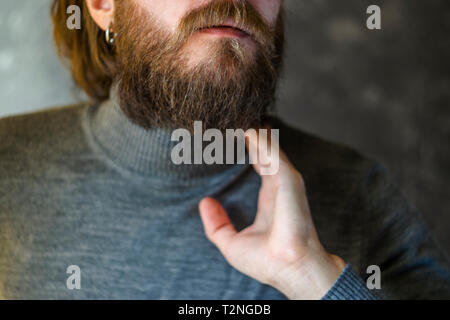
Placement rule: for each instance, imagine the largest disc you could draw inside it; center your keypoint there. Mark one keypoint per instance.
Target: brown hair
(90, 59)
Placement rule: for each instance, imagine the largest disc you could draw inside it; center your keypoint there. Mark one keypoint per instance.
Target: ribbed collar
(144, 152)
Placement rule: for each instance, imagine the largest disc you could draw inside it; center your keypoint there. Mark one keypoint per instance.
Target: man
(94, 185)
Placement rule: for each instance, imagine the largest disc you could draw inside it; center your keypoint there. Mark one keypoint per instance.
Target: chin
(228, 55)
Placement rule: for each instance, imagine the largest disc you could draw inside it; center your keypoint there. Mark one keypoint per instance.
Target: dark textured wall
(384, 92)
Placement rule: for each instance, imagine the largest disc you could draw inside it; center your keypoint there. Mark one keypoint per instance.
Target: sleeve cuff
(349, 286)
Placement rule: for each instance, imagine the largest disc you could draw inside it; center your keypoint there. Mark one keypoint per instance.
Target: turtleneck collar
(144, 152)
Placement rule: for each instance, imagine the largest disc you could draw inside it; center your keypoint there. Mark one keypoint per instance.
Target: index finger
(264, 150)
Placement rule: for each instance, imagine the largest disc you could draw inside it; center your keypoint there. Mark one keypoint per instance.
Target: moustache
(238, 14)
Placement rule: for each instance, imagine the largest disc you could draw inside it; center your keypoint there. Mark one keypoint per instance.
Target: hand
(281, 248)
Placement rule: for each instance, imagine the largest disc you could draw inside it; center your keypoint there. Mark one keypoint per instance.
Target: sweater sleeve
(349, 286)
(412, 264)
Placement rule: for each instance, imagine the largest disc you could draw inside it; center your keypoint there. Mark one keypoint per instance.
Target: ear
(102, 11)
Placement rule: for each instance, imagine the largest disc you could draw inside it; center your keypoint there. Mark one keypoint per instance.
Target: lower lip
(225, 32)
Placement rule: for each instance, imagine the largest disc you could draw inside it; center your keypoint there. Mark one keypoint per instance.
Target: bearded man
(93, 188)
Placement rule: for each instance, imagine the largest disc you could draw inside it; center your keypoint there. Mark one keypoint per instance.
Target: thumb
(217, 224)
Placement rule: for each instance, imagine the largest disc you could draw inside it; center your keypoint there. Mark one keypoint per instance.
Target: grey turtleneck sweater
(82, 185)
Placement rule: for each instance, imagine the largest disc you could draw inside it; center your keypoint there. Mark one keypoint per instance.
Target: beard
(232, 87)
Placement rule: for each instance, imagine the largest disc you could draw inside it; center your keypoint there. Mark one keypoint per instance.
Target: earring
(109, 36)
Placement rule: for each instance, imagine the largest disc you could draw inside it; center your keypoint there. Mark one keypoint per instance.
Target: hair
(90, 59)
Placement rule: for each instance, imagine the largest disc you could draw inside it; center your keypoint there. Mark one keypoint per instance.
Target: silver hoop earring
(109, 36)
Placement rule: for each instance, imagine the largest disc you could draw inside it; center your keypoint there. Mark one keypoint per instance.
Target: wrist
(311, 277)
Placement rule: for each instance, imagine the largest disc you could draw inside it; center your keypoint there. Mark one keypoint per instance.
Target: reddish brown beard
(235, 88)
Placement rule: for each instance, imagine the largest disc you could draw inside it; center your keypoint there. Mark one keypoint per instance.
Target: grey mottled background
(384, 92)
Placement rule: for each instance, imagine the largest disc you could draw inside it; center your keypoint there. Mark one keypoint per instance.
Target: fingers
(282, 192)
(264, 151)
(251, 142)
(217, 224)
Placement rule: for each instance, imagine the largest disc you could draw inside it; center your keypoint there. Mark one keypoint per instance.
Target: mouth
(225, 30)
